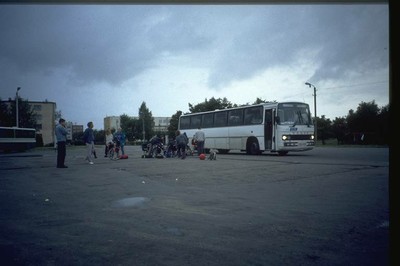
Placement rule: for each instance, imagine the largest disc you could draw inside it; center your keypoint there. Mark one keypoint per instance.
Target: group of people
(182, 141)
(115, 139)
(118, 138)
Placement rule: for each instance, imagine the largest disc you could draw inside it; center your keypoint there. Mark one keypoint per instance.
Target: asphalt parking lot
(328, 206)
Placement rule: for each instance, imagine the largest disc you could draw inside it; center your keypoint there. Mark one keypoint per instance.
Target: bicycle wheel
(111, 154)
(189, 151)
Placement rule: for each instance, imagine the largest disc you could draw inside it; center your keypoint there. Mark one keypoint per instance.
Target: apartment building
(45, 118)
(161, 124)
(46, 121)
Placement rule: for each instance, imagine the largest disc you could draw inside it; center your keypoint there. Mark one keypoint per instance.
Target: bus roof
(21, 128)
(242, 106)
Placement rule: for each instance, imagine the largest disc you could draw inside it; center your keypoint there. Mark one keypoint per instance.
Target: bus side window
(208, 120)
(196, 121)
(248, 116)
(220, 119)
(253, 115)
(7, 133)
(235, 117)
(185, 122)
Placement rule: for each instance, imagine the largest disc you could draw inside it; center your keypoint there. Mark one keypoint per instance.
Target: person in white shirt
(200, 138)
(109, 142)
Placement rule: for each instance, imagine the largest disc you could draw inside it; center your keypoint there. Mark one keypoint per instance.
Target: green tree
(339, 129)
(26, 116)
(99, 136)
(369, 124)
(325, 130)
(363, 121)
(77, 138)
(173, 124)
(58, 115)
(128, 125)
(383, 125)
(6, 119)
(146, 117)
(259, 100)
(365, 117)
(211, 105)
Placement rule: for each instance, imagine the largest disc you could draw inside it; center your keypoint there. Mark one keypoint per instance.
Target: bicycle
(113, 152)
(189, 150)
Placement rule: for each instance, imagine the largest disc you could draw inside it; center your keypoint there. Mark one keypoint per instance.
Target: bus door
(268, 126)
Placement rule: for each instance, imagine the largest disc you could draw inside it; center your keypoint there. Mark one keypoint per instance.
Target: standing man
(200, 139)
(109, 142)
(88, 137)
(121, 138)
(181, 143)
(61, 135)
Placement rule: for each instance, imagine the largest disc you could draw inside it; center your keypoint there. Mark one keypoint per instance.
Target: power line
(338, 87)
(355, 85)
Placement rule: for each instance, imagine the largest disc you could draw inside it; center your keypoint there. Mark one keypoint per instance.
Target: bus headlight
(285, 137)
(312, 137)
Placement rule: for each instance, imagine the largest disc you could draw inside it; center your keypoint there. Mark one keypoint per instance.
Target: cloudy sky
(105, 60)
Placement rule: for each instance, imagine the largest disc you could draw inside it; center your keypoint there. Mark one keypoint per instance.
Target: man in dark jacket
(88, 137)
(181, 143)
(61, 135)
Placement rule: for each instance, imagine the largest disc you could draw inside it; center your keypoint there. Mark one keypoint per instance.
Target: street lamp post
(144, 132)
(16, 106)
(315, 110)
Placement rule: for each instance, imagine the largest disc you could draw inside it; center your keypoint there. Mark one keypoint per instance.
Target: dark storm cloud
(97, 43)
(346, 38)
(356, 41)
(113, 56)
(181, 31)
(114, 43)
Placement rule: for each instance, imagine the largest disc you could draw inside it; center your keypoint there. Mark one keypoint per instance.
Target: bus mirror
(277, 120)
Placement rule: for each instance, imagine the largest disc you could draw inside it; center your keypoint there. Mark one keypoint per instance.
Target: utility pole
(16, 106)
(144, 132)
(315, 110)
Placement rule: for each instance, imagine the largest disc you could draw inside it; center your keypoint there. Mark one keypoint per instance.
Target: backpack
(85, 135)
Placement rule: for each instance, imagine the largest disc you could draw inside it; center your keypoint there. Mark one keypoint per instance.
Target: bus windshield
(294, 114)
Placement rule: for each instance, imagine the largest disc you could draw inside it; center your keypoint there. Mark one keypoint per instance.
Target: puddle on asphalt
(130, 202)
(175, 231)
(384, 224)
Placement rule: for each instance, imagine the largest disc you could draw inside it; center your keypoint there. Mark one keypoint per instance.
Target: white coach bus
(17, 139)
(278, 127)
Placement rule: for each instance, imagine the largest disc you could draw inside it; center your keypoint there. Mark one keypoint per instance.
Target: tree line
(367, 124)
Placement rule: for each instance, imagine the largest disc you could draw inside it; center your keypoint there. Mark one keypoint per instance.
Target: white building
(112, 122)
(161, 124)
(45, 119)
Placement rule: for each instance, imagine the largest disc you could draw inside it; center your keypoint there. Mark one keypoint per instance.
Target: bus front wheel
(253, 148)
